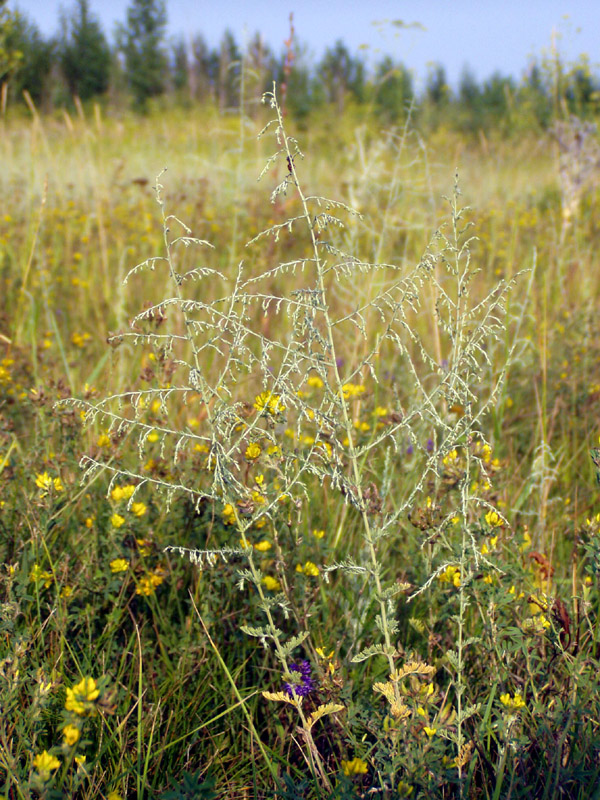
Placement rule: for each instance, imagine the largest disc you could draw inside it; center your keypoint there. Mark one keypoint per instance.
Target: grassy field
(372, 439)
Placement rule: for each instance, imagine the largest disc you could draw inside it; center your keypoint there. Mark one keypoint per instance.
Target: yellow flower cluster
(148, 583)
(269, 403)
(122, 492)
(45, 764)
(71, 735)
(80, 339)
(493, 519)
(450, 457)
(271, 583)
(350, 390)
(515, 703)
(81, 698)
(47, 484)
(450, 575)
(487, 547)
(354, 767)
(308, 569)
(39, 575)
(253, 451)
(5, 376)
(228, 514)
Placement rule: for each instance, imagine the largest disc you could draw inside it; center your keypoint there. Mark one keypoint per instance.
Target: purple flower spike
(409, 450)
(306, 683)
(429, 445)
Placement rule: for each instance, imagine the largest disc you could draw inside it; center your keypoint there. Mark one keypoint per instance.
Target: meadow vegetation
(296, 496)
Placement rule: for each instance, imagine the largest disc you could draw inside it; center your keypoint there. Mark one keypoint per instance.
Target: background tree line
(142, 64)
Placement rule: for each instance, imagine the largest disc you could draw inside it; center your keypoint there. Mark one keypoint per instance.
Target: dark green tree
(468, 109)
(10, 58)
(341, 74)
(437, 91)
(204, 71)
(180, 69)
(469, 92)
(260, 68)
(142, 42)
(33, 68)
(534, 98)
(436, 108)
(230, 63)
(583, 89)
(393, 90)
(497, 96)
(83, 51)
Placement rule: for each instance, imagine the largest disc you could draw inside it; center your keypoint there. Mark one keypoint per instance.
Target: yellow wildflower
(144, 546)
(253, 451)
(309, 568)
(355, 767)
(45, 764)
(352, 390)
(71, 735)
(145, 587)
(431, 732)
(318, 534)
(526, 541)
(81, 697)
(79, 339)
(5, 376)
(118, 565)
(268, 403)
(493, 519)
(39, 575)
(450, 575)
(450, 457)
(315, 382)
(514, 703)
(103, 440)
(139, 509)
(44, 482)
(229, 514)
(263, 546)
(122, 492)
(157, 577)
(117, 520)
(270, 583)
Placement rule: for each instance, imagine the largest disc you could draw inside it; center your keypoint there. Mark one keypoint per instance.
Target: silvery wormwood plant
(251, 392)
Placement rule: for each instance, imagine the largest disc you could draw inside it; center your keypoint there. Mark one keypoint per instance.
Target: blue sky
(487, 35)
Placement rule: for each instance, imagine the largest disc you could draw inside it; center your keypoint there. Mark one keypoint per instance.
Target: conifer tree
(143, 44)
(84, 53)
(10, 55)
(33, 69)
(393, 89)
